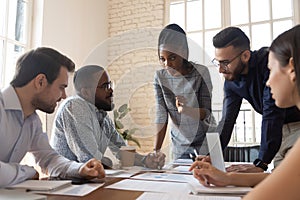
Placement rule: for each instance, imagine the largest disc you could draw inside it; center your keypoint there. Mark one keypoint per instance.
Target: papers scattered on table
(151, 186)
(200, 189)
(165, 177)
(41, 185)
(186, 162)
(76, 190)
(19, 195)
(56, 187)
(181, 170)
(171, 196)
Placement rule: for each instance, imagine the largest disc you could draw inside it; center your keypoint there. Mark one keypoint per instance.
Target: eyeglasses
(107, 86)
(224, 63)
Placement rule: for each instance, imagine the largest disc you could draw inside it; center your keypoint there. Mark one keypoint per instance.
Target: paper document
(75, 190)
(165, 177)
(151, 186)
(187, 162)
(41, 185)
(200, 189)
(181, 170)
(171, 196)
(6, 194)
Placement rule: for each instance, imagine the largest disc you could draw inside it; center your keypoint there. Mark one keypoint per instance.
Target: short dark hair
(42, 60)
(286, 46)
(174, 35)
(231, 36)
(83, 76)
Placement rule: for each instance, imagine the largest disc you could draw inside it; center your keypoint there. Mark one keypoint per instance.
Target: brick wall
(132, 60)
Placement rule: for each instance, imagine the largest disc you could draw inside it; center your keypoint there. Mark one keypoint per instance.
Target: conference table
(107, 193)
(103, 193)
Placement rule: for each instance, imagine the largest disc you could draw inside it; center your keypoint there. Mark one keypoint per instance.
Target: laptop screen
(215, 151)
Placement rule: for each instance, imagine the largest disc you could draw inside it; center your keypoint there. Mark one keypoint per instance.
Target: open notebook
(6, 194)
(215, 151)
(41, 185)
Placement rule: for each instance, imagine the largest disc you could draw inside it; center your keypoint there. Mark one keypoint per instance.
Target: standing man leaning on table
(246, 74)
(284, 81)
(39, 83)
(82, 128)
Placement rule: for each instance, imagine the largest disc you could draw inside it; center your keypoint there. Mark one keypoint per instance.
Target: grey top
(196, 87)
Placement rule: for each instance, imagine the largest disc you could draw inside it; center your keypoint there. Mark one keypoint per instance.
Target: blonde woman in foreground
(284, 81)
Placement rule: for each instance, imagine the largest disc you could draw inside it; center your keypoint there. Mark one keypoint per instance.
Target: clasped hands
(155, 160)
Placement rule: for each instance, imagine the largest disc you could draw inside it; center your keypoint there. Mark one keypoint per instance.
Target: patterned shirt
(196, 87)
(82, 132)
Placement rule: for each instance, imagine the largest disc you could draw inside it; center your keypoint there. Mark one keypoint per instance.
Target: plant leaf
(124, 113)
(118, 124)
(123, 108)
(132, 131)
(135, 141)
(116, 114)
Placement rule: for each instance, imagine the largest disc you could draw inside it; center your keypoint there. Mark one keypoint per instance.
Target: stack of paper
(19, 195)
(41, 185)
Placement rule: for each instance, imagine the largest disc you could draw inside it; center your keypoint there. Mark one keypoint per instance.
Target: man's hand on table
(246, 168)
(92, 169)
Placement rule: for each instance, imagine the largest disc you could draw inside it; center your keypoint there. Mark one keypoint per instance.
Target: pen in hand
(193, 157)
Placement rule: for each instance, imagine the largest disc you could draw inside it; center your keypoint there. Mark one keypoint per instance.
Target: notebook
(215, 151)
(41, 185)
(19, 195)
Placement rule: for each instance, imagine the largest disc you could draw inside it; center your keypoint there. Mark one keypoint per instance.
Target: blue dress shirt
(253, 88)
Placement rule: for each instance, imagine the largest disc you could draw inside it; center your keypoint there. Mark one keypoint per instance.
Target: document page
(41, 185)
(200, 189)
(171, 196)
(150, 186)
(75, 190)
(6, 194)
(165, 177)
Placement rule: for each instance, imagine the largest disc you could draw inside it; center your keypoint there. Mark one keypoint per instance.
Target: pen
(192, 157)
(196, 153)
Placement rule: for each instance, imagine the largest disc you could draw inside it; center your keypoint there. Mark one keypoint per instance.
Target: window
(14, 35)
(261, 20)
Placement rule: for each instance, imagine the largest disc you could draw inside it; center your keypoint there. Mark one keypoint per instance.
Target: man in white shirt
(39, 83)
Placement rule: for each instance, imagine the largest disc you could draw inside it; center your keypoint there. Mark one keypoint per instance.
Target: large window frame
(15, 35)
(203, 37)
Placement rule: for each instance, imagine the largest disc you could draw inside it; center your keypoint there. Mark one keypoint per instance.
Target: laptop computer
(215, 151)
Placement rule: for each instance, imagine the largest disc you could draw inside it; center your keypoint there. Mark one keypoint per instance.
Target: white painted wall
(73, 27)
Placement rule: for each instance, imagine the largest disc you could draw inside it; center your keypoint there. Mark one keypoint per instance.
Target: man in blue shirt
(245, 74)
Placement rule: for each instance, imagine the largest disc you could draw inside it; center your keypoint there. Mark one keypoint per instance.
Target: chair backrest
(241, 154)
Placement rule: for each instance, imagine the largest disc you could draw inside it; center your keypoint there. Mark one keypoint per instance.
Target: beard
(104, 105)
(238, 71)
(44, 106)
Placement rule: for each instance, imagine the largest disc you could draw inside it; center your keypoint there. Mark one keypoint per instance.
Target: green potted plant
(119, 114)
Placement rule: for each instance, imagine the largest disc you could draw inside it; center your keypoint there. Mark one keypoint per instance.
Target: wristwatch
(259, 163)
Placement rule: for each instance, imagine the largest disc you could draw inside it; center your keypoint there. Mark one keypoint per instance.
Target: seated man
(39, 83)
(83, 130)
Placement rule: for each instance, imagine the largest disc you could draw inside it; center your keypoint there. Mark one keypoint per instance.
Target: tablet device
(215, 151)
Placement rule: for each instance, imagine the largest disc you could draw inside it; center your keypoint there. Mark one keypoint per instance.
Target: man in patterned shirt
(83, 130)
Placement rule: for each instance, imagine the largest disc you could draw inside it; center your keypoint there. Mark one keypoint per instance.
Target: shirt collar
(10, 99)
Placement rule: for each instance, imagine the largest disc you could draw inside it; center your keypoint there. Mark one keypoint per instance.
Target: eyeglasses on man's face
(106, 86)
(224, 63)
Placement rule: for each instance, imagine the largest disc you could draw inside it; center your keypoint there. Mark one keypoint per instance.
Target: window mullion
(226, 13)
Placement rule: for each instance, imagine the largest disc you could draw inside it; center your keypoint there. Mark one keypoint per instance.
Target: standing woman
(183, 94)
